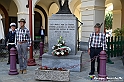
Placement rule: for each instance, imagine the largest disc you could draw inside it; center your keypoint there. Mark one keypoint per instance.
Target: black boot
(91, 73)
(8, 63)
(17, 62)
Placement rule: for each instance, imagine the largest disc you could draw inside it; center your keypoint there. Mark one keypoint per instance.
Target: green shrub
(119, 31)
(108, 20)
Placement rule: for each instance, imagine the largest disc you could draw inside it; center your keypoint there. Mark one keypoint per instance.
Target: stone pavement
(113, 70)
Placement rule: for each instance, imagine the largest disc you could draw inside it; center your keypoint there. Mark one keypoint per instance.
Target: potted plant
(108, 20)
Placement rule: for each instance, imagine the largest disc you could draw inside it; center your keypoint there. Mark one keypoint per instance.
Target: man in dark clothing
(97, 43)
(42, 33)
(10, 38)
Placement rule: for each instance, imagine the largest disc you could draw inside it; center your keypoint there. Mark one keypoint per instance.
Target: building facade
(87, 11)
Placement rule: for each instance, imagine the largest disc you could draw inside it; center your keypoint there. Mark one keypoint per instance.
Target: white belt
(11, 43)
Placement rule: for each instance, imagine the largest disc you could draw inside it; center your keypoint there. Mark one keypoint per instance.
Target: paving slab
(113, 70)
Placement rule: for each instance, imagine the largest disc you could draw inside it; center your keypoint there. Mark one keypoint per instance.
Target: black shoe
(17, 62)
(91, 73)
(98, 72)
(8, 63)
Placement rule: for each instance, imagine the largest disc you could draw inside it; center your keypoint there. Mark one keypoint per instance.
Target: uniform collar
(21, 28)
(98, 34)
(13, 31)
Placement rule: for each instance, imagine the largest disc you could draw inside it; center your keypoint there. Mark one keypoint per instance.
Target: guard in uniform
(10, 38)
(97, 43)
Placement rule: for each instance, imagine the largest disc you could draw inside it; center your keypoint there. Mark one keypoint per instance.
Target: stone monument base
(63, 61)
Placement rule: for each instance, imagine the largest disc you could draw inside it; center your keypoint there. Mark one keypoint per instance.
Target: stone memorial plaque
(65, 26)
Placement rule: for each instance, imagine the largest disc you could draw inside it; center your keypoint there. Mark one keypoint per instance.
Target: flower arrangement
(47, 68)
(60, 49)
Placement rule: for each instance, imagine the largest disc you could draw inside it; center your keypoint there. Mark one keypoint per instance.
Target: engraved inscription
(61, 29)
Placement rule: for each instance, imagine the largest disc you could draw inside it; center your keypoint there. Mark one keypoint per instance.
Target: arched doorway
(37, 23)
(9, 13)
(6, 20)
(54, 8)
(43, 8)
(40, 19)
(114, 10)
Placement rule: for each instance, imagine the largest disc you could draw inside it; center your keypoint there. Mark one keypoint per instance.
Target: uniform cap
(98, 25)
(13, 24)
(22, 20)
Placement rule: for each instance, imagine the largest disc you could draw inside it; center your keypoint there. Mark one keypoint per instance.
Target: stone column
(122, 18)
(23, 11)
(116, 19)
(93, 11)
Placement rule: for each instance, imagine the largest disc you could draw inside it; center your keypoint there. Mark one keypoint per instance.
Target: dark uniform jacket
(10, 38)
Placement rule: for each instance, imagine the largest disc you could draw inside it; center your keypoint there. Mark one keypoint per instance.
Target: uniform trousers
(22, 55)
(95, 52)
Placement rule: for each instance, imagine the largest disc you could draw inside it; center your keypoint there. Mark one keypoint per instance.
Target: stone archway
(53, 9)
(18, 4)
(9, 10)
(122, 18)
(37, 23)
(43, 17)
(117, 15)
(6, 18)
(43, 7)
(73, 5)
(46, 17)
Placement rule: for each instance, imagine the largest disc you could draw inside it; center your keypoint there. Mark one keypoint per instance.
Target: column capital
(24, 13)
(116, 11)
(93, 8)
(86, 0)
(89, 0)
